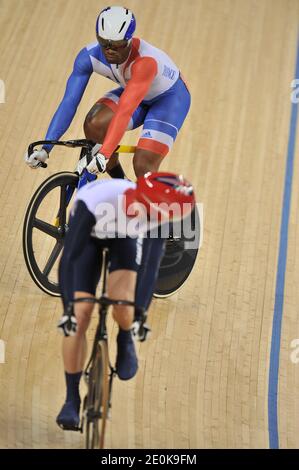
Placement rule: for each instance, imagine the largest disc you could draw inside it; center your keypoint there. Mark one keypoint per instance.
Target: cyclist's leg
(121, 285)
(153, 251)
(162, 123)
(82, 283)
(74, 347)
(79, 273)
(95, 127)
(146, 160)
(74, 350)
(86, 277)
(97, 122)
(125, 261)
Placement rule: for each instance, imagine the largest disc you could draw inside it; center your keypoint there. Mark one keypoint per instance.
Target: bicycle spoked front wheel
(97, 400)
(44, 229)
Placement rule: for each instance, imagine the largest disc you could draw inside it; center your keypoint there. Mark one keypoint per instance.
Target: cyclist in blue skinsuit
(102, 216)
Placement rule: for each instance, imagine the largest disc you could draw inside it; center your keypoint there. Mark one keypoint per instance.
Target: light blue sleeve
(75, 88)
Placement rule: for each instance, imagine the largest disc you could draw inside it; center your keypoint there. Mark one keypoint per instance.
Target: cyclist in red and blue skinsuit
(151, 92)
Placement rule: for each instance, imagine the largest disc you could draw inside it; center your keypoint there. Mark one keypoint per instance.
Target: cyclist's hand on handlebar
(81, 165)
(67, 324)
(36, 158)
(97, 164)
(86, 159)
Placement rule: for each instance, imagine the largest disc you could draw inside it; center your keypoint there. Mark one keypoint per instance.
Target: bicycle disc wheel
(44, 229)
(180, 255)
(97, 402)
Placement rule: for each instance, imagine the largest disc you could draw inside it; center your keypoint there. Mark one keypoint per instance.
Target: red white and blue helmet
(116, 24)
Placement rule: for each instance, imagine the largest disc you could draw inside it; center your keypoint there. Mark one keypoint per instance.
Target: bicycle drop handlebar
(88, 144)
(139, 328)
(106, 301)
(84, 143)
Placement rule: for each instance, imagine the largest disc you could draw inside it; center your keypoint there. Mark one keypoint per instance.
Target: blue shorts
(162, 117)
(84, 275)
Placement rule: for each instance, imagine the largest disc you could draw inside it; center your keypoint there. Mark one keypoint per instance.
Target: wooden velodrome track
(203, 377)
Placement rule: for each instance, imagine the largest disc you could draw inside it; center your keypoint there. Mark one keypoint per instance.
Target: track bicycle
(99, 373)
(46, 223)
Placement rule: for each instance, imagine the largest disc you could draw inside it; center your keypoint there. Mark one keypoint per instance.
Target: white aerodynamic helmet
(116, 24)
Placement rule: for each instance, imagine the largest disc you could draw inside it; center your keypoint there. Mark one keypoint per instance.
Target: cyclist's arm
(75, 88)
(77, 237)
(144, 71)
